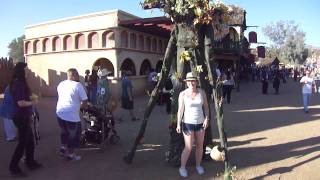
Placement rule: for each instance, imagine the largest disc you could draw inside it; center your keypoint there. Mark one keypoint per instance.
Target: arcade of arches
(127, 65)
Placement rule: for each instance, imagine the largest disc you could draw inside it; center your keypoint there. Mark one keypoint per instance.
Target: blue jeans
(9, 129)
(306, 100)
(93, 95)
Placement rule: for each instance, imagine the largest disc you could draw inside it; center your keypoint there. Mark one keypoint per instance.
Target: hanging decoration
(252, 37)
(261, 51)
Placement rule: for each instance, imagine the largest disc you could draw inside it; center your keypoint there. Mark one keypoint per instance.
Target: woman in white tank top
(193, 119)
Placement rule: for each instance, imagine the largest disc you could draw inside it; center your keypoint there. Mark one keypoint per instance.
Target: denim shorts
(188, 128)
(70, 133)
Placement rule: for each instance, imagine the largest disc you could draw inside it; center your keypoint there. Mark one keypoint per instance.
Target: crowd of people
(192, 117)
(307, 77)
(19, 103)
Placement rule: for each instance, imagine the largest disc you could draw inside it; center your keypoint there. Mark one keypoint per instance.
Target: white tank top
(193, 112)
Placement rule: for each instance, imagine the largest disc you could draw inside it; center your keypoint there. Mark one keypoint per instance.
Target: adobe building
(115, 40)
(107, 39)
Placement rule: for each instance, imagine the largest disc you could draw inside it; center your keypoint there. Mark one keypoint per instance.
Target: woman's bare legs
(199, 138)
(188, 141)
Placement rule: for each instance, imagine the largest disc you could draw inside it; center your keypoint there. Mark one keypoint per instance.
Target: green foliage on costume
(103, 93)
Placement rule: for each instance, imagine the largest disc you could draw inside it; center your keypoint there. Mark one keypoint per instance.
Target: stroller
(99, 128)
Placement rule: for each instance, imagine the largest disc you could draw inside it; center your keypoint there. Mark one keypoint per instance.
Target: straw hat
(103, 72)
(217, 154)
(190, 77)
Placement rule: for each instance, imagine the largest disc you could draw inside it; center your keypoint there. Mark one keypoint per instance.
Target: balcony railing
(227, 45)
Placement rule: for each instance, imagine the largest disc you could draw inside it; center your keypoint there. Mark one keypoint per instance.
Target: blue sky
(16, 14)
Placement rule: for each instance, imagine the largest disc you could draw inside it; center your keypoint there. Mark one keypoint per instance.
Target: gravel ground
(270, 137)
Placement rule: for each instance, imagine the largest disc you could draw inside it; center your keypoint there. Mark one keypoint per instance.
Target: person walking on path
(71, 95)
(6, 113)
(127, 99)
(87, 82)
(228, 85)
(295, 74)
(93, 81)
(264, 80)
(308, 84)
(21, 116)
(192, 120)
(103, 93)
(276, 82)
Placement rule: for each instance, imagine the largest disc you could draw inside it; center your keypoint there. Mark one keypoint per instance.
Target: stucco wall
(47, 70)
(101, 20)
(51, 67)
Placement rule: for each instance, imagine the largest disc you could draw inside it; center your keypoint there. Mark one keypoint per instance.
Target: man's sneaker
(62, 152)
(200, 170)
(12, 139)
(34, 165)
(73, 157)
(183, 172)
(17, 173)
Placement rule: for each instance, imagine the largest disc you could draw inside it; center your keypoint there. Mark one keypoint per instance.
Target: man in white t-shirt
(71, 95)
(307, 85)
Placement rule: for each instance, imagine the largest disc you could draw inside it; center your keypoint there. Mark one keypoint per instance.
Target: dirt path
(270, 137)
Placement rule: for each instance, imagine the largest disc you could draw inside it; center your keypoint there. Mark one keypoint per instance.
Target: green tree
(16, 49)
(288, 42)
(272, 52)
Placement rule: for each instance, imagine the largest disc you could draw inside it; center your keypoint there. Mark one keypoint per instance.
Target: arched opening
(27, 48)
(108, 39)
(124, 39)
(36, 46)
(133, 41)
(67, 42)
(154, 45)
(128, 65)
(141, 42)
(80, 41)
(45, 45)
(56, 44)
(105, 63)
(159, 66)
(160, 46)
(93, 40)
(148, 44)
(145, 67)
